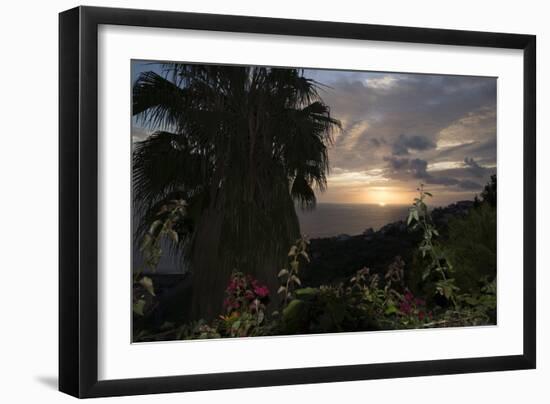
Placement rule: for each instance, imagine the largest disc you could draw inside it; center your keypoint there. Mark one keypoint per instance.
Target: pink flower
(232, 285)
(405, 308)
(261, 291)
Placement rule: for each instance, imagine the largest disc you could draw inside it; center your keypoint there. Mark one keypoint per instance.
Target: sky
(400, 130)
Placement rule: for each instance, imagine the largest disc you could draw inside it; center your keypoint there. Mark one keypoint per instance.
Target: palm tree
(241, 145)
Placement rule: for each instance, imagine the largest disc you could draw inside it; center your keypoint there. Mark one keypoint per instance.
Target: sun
(381, 203)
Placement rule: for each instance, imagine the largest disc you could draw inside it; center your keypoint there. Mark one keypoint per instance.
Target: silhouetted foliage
(240, 145)
(489, 193)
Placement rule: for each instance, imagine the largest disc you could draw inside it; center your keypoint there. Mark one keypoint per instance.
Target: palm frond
(302, 193)
(157, 102)
(164, 163)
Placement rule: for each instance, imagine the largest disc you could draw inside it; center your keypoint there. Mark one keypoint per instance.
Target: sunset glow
(399, 130)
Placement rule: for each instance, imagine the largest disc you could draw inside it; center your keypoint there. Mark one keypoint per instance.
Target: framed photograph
(251, 201)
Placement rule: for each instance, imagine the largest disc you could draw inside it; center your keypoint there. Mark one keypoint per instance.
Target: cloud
(470, 185)
(405, 143)
(443, 181)
(406, 169)
(433, 113)
(355, 132)
(384, 82)
(474, 167)
(402, 129)
(417, 168)
(376, 142)
(475, 125)
(139, 134)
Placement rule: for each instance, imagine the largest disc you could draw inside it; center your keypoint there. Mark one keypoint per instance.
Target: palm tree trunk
(212, 265)
(209, 277)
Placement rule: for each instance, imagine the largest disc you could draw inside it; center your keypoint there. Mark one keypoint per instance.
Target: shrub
(244, 306)
(472, 247)
(457, 277)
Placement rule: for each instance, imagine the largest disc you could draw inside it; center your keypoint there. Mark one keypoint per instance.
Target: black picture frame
(78, 201)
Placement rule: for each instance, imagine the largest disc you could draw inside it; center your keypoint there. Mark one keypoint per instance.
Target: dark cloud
(474, 167)
(375, 142)
(465, 185)
(443, 180)
(408, 128)
(398, 164)
(406, 169)
(416, 168)
(405, 143)
(411, 113)
(438, 129)
(470, 185)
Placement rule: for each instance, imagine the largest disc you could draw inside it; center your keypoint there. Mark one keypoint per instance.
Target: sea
(331, 219)
(326, 220)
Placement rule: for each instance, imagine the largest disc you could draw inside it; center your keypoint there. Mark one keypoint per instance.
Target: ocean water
(326, 220)
(329, 219)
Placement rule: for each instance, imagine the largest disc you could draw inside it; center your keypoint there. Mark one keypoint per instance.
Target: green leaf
(147, 283)
(391, 310)
(282, 272)
(409, 219)
(425, 274)
(173, 235)
(293, 308)
(154, 226)
(138, 307)
(294, 316)
(146, 241)
(261, 317)
(167, 325)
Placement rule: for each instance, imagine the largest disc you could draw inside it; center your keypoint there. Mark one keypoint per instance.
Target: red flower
(421, 315)
(405, 308)
(261, 291)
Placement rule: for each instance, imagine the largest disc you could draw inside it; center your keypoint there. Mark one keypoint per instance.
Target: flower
(242, 290)
(261, 291)
(405, 308)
